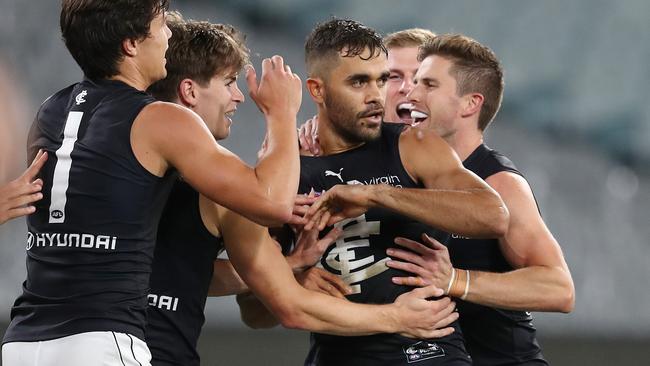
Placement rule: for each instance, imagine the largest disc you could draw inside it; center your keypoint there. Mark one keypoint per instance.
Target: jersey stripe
(61, 178)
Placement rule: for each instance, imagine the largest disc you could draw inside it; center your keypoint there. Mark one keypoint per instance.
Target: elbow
(278, 214)
(291, 318)
(495, 220)
(567, 300)
(564, 299)
(501, 220)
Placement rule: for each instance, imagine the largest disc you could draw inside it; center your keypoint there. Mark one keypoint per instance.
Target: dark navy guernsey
(182, 271)
(359, 257)
(492, 336)
(90, 243)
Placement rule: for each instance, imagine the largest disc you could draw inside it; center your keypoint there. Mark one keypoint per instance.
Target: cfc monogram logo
(342, 258)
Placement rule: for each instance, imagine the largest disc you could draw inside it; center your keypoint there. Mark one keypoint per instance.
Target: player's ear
(316, 90)
(471, 104)
(130, 47)
(187, 93)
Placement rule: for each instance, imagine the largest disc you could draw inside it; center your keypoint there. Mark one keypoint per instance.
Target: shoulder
(423, 138)
(511, 186)
(164, 112)
(423, 150)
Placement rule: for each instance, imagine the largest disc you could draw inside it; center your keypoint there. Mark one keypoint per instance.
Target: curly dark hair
(93, 30)
(337, 35)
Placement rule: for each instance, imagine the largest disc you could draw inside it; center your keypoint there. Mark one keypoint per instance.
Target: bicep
(528, 242)
(184, 142)
(256, 258)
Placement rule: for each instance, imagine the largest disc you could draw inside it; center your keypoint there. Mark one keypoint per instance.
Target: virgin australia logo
(329, 173)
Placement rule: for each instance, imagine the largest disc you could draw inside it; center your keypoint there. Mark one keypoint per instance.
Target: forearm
(278, 168)
(474, 213)
(253, 313)
(225, 280)
(535, 288)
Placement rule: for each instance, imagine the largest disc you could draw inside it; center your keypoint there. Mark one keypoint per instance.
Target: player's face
(436, 103)
(354, 97)
(403, 64)
(217, 102)
(151, 50)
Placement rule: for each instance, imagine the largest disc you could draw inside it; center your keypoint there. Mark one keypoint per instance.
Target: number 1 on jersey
(61, 178)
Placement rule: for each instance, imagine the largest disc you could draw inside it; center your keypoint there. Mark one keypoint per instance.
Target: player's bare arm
(166, 135)
(261, 265)
(455, 199)
(541, 280)
(255, 315)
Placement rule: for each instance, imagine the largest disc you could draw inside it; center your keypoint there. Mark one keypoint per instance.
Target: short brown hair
(93, 30)
(476, 70)
(198, 50)
(412, 37)
(329, 38)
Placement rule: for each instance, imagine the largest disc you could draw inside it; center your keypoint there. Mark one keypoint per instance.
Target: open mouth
(418, 116)
(404, 112)
(229, 115)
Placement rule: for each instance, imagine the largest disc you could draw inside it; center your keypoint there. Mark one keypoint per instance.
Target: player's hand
(429, 263)
(279, 92)
(318, 279)
(26, 189)
(308, 137)
(422, 318)
(300, 207)
(339, 203)
(309, 248)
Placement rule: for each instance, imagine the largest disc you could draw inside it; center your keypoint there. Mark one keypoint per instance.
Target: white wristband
(451, 280)
(466, 287)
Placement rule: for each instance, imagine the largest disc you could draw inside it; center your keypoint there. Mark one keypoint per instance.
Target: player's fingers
(20, 211)
(324, 220)
(432, 291)
(412, 245)
(433, 243)
(297, 220)
(406, 256)
(444, 312)
(277, 62)
(22, 200)
(302, 200)
(337, 282)
(410, 281)
(439, 333)
(251, 81)
(36, 166)
(407, 267)
(331, 236)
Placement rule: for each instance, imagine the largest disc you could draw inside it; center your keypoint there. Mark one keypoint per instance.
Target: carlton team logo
(341, 258)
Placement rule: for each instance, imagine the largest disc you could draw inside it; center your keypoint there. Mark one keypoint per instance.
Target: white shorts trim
(83, 349)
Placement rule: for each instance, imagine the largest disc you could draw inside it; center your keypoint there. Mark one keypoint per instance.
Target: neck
(330, 141)
(464, 142)
(129, 74)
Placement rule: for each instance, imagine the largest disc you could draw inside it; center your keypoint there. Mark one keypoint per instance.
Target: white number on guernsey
(62, 169)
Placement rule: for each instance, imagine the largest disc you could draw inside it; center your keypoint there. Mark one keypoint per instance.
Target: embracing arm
(541, 280)
(454, 199)
(166, 135)
(262, 266)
